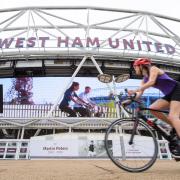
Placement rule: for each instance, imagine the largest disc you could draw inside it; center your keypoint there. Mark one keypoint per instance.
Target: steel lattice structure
(50, 41)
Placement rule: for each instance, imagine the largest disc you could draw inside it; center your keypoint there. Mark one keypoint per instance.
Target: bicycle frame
(152, 124)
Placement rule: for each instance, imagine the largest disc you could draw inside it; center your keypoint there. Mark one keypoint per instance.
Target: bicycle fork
(136, 122)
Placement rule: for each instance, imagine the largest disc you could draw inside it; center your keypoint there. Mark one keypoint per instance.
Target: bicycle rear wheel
(135, 157)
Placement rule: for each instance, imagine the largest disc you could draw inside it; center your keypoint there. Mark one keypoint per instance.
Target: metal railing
(41, 110)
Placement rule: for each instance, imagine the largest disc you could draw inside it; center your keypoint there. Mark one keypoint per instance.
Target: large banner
(92, 146)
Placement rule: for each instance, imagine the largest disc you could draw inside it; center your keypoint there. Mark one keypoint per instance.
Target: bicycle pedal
(177, 159)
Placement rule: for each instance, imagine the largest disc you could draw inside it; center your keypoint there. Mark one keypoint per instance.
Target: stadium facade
(78, 41)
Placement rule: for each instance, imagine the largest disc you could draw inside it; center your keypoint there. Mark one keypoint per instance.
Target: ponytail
(146, 67)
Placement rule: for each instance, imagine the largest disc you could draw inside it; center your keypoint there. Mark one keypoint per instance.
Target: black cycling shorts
(174, 95)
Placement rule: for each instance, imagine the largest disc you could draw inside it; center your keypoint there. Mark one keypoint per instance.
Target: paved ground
(83, 170)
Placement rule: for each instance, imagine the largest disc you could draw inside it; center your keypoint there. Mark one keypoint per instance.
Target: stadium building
(78, 42)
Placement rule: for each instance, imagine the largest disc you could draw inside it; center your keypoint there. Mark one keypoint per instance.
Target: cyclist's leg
(99, 111)
(81, 111)
(88, 113)
(84, 112)
(174, 115)
(160, 104)
(70, 111)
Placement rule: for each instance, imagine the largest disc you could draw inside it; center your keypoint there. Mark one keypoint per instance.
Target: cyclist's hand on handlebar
(88, 105)
(131, 92)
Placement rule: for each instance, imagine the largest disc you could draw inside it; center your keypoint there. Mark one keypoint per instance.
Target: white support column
(88, 27)
(120, 130)
(116, 99)
(19, 131)
(99, 70)
(96, 64)
(22, 133)
(18, 144)
(5, 151)
(70, 129)
(4, 132)
(37, 132)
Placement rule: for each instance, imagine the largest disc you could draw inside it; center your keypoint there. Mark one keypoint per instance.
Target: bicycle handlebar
(132, 98)
(140, 104)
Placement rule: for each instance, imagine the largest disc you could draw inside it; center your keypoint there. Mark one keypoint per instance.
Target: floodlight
(105, 78)
(122, 78)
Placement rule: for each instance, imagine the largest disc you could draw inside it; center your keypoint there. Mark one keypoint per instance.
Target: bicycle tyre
(120, 162)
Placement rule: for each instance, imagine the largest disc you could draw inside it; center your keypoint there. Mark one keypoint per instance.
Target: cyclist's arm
(137, 91)
(81, 100)
(139, 94)
(90, 102)
(74, 100)
(154, 72)
(84, 99)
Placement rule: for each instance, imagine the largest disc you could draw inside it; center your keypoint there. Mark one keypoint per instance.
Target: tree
(20, 92)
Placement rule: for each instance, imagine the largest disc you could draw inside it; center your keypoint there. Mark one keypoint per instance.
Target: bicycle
(89, 110)
(131, 143)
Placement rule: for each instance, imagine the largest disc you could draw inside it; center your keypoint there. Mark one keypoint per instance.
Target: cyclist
(157, 78)
(85, 111)
(70, 95)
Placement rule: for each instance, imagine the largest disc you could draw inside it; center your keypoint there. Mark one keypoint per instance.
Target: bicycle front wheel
(135, 156)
